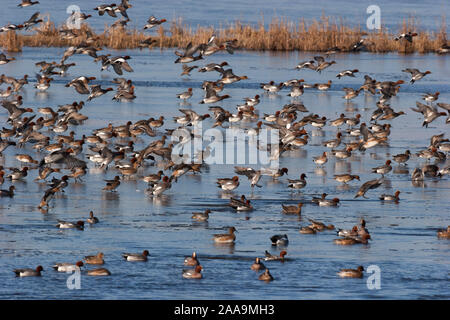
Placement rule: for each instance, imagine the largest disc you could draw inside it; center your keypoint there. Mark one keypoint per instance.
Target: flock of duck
(63, 156)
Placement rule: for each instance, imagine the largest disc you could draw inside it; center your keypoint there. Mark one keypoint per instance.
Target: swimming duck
(228, 184)
(279, 240)
(67, 266)
(29, 272)
(136, 256)
(351, 273)
(292, 209)
(266, 276)
(70, 225)
(229, 237)
(348, 233)
(98, 272)
(193, 273)
(201, 216)
(92, 219)
(444, 233)
(320, 226)
(192, 260)
(7, 193)
(352, 240)
(258, 265)
(162, 186)
(298, 184)
(271, 86)
(97, 259)
(388, 197)
(18, 174)
(307, 230)
(270, 257)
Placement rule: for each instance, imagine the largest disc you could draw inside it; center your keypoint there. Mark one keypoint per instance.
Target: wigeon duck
(430, 97)
(111, 185)
(429, 113)
(228, 184)
(67, 266)
(371, 184)
(344, 178)
(162, 186)
(136, 256)
(444, 233)
(306, 64)
(97, 91)
(185, 95)
(389, 197)
(201, 216)
(407, 36)
(320, 160)
(349, 73)
(97, 259)
(351, 273)
(229, 77)
(193, 273)
(307, 230)
(266, 276)
(29, 272)
(192, 260)
(416, 74)
(4, 59)
(298, 184)
(322, 64)
(26, 158)
(383, 169)
(271, 86)
(351, 93)
(258, 265)
(27, 3)
(320, 226)
(352, 240)
(152, 22)
(279, 240)
(270, 257)
(229, 237)
(293, 209)
(328, 203)
(348, 233)
(7, 193)
(98, 272)
(70, 225)
(188, 55)
(92, 219)
(17, 174)
(402, 157)
(323, 86)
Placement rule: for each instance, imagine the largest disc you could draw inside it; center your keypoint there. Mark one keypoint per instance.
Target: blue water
(414, 263)
(428, 13)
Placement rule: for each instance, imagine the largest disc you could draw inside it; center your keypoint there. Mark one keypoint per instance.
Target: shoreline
(281, 35)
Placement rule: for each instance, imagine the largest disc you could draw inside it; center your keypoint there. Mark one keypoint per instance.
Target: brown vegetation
(280, 35)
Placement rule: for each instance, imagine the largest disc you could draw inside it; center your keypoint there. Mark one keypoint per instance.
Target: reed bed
(280, 35)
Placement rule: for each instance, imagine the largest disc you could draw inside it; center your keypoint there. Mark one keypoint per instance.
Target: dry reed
(280, 35)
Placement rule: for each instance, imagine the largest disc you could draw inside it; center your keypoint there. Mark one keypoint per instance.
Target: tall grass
(280, 35)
